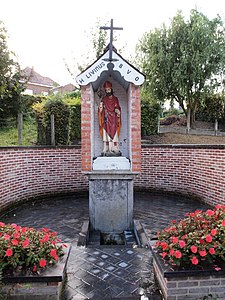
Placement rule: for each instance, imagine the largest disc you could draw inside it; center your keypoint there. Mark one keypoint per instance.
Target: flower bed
(32, 263)
(189, 256)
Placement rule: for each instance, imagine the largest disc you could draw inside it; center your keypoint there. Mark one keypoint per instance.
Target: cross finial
(111, 28)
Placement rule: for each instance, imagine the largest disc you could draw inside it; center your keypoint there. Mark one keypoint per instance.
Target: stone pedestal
(111, 200)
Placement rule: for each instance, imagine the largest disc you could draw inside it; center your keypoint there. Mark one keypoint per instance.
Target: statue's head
(108, 88)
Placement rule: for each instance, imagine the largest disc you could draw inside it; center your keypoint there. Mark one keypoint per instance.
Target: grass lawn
(9, 135)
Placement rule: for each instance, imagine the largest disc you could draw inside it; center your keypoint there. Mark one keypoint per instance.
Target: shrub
(197, 241)
(27, 249)
(149, 117)
(61, 114)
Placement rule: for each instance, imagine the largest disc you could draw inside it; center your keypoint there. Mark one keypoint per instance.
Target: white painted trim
(129, 73)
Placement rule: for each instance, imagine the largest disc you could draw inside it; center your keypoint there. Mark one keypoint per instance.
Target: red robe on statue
(108, 119)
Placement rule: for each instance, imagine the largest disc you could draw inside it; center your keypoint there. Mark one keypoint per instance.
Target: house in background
(37, 84)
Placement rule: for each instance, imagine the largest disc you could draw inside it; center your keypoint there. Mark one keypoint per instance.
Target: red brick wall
(26, 172)
(29, 172)
(86, 127)
(135, 128)
(192, 170)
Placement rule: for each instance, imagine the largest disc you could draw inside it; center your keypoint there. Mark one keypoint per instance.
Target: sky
(45, 34)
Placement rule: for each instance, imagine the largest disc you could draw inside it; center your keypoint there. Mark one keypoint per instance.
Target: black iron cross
(111, 28)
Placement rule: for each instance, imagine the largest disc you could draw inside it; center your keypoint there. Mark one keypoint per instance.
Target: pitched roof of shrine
(116, 67)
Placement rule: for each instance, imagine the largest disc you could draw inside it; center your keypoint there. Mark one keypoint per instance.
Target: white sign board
(129, 73)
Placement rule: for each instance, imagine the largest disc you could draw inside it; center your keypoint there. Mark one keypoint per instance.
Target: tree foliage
(185, 60)
(10, 75)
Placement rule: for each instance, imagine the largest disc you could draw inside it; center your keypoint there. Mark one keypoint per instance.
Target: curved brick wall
(196, 170)
(27, 172)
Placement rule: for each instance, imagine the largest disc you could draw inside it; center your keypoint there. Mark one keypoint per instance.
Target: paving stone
(90, 270)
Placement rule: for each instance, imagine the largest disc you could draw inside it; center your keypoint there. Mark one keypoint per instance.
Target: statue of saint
(109, 117)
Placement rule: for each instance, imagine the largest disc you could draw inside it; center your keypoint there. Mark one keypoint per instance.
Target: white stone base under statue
(111, 163)
(111, 200)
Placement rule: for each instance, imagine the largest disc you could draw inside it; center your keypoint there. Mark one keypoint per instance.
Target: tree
(184, 61)
(10, 76)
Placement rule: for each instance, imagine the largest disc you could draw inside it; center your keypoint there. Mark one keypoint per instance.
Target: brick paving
(104, 272)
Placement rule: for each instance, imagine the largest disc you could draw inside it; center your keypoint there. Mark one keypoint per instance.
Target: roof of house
(34, 77)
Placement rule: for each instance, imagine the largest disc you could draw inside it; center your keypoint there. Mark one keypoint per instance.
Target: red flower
(194, 260)
(164, 254)
(208, 238)
(174, 239)
(42, 263)
(202, 253)
(53, 252)
(178, 254)
(14, 242)
(213, 232)
(223, 223)
(25, 243)
(6, 237)
(24, 229)
(45, 238)
(9, 252)
(172, 252)
(164, 245)
(210, 212)
(194, 249)
(182, 243)
(218, 206)
(212, 251)
(16, 235)
(34, 268)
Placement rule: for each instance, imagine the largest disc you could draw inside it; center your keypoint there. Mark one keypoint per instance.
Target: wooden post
(188, 120)
(52, 130)
(216, 127)
(20, 128)
(158, 125)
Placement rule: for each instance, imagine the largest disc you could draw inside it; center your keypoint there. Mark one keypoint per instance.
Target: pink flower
(172, 252)
(46, 238)
(16, 235)
(208, 238)
(182, 244)
(53, 252)
(178, 254)
(164, 245)
(164, 254)
(2, 224)
(9, 252)
(34, 268)
(210, 212)
(194, 249)
(223, 223)
(202, 253)
(174, 239)
(194, 260)
(212, 251)
(42, 263)
(25, 243)
(14, 242)
(213, 232)
(6, 237)
(218, 206)
(24, 229)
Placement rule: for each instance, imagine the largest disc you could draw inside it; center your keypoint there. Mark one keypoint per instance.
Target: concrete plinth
(111, 200)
